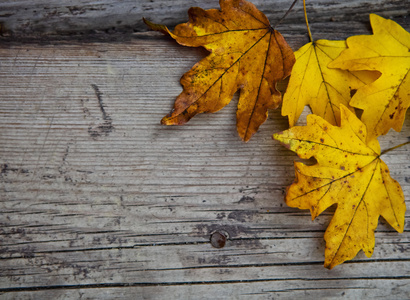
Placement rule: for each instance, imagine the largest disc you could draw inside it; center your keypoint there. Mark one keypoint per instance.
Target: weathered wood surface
(99, 201)
(51, 17)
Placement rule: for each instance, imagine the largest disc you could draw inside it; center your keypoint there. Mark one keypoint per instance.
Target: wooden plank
(100, 201)
(51, 17)
(360, 288)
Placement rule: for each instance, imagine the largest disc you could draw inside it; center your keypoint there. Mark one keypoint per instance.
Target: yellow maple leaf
(385, 101)
(348, 173)
(246, 54)
(313, 83)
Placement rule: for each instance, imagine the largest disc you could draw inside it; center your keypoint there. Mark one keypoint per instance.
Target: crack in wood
(176, 283)
(106, 127)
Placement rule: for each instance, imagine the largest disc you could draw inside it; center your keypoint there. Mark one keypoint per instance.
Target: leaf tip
(246, 138)
(156, 27)
(279, 137)
(276, 136)
(165, 121)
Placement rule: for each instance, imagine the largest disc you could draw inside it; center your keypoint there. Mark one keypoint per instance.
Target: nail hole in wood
(218, 239)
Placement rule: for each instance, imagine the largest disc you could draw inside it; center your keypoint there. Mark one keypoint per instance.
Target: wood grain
(51, 17)
(99, 201)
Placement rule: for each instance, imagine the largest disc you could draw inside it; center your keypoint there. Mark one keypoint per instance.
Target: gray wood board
(100, 201)
(51, 17)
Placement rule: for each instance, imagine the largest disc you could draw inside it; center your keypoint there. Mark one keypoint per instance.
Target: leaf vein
(223, 74)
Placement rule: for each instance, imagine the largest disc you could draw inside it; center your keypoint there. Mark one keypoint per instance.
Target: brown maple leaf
(246, 54)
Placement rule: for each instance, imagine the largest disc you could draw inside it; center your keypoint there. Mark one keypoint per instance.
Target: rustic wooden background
(99, 201)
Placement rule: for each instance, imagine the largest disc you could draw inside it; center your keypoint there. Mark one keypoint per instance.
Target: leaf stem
(307, 23)
(286, 14)
(395, 147)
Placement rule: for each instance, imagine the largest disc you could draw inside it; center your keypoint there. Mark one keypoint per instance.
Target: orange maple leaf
(349, 173)
(246, 54)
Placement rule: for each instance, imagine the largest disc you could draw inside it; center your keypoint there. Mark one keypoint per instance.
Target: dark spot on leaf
(352, 92)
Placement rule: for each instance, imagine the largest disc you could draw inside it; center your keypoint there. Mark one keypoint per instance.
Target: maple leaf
(246, 54)
(349, 173)
(313, 83)
(385, 101)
